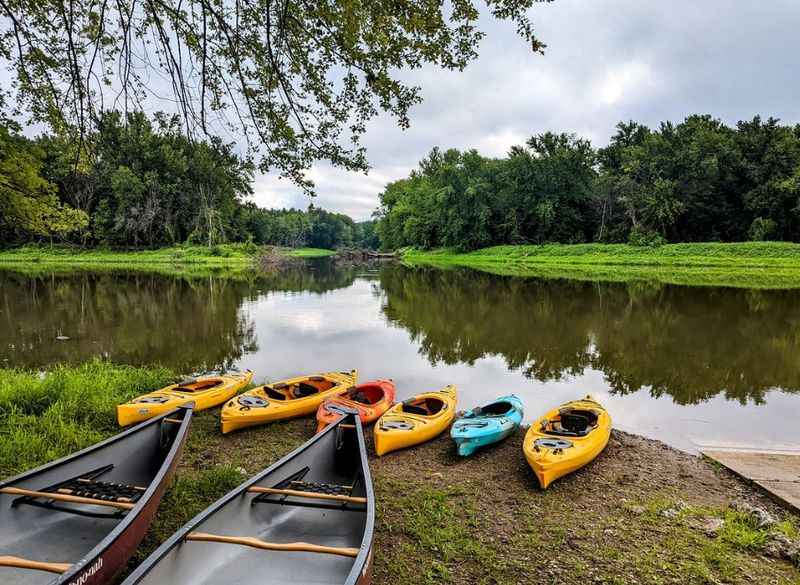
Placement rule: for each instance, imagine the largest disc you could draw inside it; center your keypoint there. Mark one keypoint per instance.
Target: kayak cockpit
(571, 422)
(199, 385)
(302, 389)
(427, 406)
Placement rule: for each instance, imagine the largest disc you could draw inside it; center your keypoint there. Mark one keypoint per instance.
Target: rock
(712, 526)
(62, 338)
(438, 475)
(763, 518)
(780, 546)
(637, 509)
(242, 471)
(674, 509)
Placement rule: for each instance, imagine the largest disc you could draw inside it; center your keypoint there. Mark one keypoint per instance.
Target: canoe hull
(104, 567)
(420, 429)
(368, 413)
(236, 416)
(471, 432)
(552, 464)
(136, 410)
(104, 561)
(332, 462)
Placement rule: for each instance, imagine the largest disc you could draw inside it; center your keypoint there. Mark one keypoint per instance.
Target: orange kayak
(370, 399)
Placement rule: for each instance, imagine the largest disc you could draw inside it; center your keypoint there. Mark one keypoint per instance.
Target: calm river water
(681, 364)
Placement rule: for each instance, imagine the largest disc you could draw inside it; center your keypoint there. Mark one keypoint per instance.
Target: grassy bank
(749, 264)
(639, 514)
(175, 258)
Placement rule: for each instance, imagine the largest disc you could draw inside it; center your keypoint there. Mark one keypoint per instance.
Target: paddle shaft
(21, 563)
(300, 494)
(66, 498)
(257, 543)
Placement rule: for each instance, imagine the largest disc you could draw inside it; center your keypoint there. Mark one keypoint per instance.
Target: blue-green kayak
(487, 424)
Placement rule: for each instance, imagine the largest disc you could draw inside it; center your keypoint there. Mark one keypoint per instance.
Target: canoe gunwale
(365, 549)
(157, 483)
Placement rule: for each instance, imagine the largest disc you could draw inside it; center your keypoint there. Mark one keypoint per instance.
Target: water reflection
(688, 343)
(671, 362)
(141, 318)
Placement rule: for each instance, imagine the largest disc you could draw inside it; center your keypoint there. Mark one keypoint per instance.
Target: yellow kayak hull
(284, 399)
(549, 464)
(204, 391)
(399, 428)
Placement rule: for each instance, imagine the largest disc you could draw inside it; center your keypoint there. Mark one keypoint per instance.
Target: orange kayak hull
(370, 400)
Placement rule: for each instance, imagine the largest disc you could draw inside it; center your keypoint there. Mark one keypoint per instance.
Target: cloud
(605, 62)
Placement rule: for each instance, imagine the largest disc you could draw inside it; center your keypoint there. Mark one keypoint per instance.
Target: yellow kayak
(566, 439)
(204, 391)
(415, 420)
(285, 399)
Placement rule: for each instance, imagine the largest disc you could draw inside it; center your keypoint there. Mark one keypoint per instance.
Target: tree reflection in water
(691, 343)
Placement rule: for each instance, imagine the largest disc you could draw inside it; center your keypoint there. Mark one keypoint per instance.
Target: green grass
(441, 519)
(307, 252)
(52, 414)
(180, 259)
(749, 264)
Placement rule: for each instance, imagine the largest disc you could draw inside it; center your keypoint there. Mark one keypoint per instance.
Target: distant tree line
(699, 180)
(141, 182)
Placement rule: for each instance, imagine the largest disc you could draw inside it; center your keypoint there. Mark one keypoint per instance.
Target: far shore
(744, 264)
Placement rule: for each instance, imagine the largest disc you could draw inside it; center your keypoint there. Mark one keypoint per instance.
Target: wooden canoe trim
(21, 563)
(257, 543)
(176, 421)
(66, 498)
(299, 494)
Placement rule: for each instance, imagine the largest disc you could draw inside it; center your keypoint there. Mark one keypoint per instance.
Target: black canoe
(307, 519)
(78, 520)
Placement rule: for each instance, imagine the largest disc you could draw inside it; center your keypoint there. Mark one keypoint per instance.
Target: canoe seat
(101, 490)
(321, 488)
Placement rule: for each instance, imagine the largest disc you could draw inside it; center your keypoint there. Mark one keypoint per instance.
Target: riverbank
(219, 256)
(641, 513)
(747, 264)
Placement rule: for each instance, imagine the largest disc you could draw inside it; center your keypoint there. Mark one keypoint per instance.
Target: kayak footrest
(264, 545)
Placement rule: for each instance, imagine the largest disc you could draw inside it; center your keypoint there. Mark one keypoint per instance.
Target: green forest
(140, 182)
(696, 181)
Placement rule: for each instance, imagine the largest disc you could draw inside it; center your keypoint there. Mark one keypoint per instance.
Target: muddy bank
(641, 513)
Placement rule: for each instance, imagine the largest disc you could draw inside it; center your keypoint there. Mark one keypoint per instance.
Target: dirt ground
(642, 513)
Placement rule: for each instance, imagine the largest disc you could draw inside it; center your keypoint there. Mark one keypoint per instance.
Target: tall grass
(46, 415)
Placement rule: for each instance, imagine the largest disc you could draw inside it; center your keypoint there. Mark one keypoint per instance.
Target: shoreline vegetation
(762, 265)
(745, 264)
(641, 513)
(220, 255)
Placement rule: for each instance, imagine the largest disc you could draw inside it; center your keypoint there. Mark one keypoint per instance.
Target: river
(686, 365)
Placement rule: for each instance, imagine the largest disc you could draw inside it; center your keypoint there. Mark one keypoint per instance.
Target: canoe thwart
(67, 498)
(20, 563)
(258, 543)
(304, 494)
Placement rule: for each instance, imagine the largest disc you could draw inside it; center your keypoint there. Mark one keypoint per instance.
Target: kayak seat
(273, 393)
(412, 408)
(198, 386)
(302, 390)
(367, 394)
(573, 423)
(496, 409)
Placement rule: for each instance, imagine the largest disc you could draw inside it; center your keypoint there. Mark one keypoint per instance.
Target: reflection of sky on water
(345, 328)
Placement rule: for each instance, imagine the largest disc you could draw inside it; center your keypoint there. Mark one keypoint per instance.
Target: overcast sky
(606, 61)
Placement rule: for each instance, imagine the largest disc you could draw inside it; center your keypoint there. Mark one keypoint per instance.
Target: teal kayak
(487, 424)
